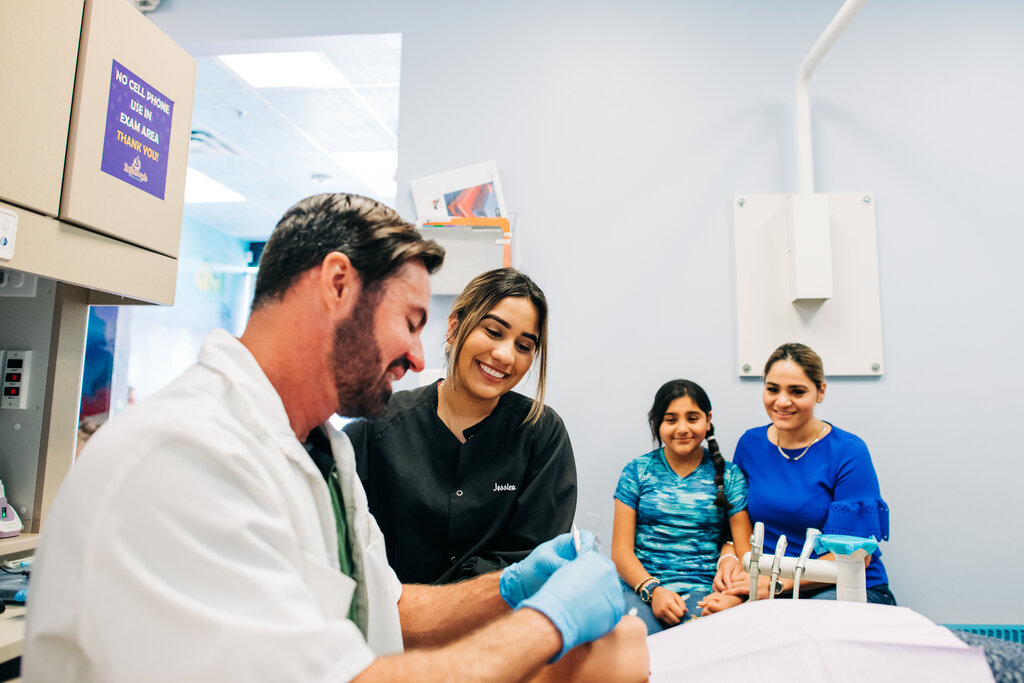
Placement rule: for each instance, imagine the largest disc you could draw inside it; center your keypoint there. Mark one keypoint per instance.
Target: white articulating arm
(804, 153)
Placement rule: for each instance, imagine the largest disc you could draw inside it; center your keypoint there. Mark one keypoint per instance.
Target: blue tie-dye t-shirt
(679, 529)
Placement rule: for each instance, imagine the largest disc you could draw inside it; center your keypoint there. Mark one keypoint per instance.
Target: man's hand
(583, 600)
(521, 580)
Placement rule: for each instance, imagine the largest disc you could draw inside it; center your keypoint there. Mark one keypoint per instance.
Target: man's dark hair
(372, 235)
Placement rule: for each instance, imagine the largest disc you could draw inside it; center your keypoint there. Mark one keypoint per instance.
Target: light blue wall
(621, 132)
(158, 343)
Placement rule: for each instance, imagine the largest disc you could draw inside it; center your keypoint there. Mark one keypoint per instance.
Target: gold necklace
(446, 415)
(442, 408)
(804, 452)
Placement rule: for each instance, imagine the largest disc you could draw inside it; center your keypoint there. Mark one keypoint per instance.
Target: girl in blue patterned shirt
(674, 509)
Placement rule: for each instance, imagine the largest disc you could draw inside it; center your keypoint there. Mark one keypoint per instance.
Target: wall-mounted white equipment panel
(14, 370)
(129, 132)
(810, 247)
(846, 329)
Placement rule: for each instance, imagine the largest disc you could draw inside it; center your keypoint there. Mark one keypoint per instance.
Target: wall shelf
(18, 544)
(472, 246)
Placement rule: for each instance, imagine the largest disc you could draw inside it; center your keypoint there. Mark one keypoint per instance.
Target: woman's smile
(491, 372)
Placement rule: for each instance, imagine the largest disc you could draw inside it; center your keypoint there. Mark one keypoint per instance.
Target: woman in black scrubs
(466, 476)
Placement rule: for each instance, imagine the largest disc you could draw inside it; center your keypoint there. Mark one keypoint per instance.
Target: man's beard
(363, 390)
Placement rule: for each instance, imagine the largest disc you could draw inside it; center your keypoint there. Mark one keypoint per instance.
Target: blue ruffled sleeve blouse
(833, 487)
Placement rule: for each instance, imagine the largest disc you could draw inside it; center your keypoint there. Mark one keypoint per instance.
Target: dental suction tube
(751, 560)
(780, 552)
(801, 563)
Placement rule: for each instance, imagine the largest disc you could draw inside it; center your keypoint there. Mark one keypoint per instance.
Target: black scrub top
(449, 510)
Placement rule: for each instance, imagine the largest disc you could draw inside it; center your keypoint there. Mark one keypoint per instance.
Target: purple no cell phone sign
(138, 132)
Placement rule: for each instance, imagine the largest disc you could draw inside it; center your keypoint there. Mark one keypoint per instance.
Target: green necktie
(344, 549)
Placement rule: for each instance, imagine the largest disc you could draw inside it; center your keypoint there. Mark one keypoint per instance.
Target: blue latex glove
(583, 600)
(524, 578)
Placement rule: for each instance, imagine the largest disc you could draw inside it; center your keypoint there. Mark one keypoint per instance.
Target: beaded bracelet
(643, 583)
(719, 563)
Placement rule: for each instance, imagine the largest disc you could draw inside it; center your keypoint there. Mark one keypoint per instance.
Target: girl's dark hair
(679, 388)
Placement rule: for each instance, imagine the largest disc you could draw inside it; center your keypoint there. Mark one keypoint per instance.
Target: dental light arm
(780, 552)
(752, 559)
(801, 563)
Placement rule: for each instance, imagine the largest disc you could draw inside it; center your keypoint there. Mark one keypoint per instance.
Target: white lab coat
(195, 541)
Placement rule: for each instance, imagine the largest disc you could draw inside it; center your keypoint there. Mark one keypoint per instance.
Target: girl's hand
(762, 587)
(724, 573)
(716, 602)
(738, 578)
(730, 574)
(668, 607)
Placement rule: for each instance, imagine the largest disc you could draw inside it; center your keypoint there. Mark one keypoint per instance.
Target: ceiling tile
(213, 76)
(268, 143)
(383, 101)
(247, 123)
(245, 221)
(367, 59)
(335, 118)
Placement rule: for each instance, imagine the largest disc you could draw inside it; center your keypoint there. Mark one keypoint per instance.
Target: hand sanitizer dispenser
(10, 522)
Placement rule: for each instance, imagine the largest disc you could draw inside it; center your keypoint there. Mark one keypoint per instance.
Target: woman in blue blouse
(805, 472)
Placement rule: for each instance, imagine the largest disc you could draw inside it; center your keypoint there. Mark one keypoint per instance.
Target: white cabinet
(129, 132)
(36, 88)
(94, 129)
(94, 132)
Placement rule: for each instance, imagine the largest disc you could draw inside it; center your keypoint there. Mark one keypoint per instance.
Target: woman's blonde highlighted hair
(479, 298)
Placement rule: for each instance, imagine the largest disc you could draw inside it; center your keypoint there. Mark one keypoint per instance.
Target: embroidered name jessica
(504, 487)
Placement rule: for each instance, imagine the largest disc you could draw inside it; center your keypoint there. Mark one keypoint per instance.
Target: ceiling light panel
(286, 70)
(202, 189)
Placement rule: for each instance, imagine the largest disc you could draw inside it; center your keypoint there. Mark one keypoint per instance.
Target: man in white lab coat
(217, 531)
